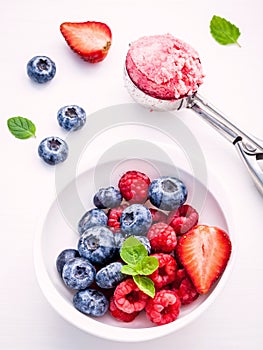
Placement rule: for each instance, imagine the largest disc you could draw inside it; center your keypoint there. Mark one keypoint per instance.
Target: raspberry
(183, 219)
(134, 186)
(114, 215)
(184, 288)
(158, 216)
(128, 297)
(164, 307)
(121, 315)
(180, 275)
(187, 292)
(162, 237)
(166, 272)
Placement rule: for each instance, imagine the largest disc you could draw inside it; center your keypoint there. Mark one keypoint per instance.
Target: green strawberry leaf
(145, 284)
(21, 128)
(223, 31)
(132, 251)
(147, 265)
(129, 270)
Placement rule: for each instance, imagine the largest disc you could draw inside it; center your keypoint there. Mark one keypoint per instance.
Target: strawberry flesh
(90, 40)
(204, 252)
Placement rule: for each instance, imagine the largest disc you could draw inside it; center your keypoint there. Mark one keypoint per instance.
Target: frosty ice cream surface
(164, 67)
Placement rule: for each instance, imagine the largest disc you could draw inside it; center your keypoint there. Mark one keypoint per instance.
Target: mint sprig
(223, 31)
(145, 284)
(21, 128)
(139, 264)
(132, 251)
(147, 265)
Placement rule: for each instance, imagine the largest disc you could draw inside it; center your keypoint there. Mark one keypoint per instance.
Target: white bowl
(59, 231)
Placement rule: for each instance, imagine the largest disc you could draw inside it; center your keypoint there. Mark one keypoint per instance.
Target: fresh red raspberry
(121, 315)
(187, 292)
(158, 216)
(114, 215)
(128, 297)
(183, 219)
(166, 272)
(162, 238)
(164, 307)
(134, 186)
(184, 288)
(180, 275)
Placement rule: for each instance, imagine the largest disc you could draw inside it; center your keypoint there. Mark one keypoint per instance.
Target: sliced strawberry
(204, 252)
(90, 40)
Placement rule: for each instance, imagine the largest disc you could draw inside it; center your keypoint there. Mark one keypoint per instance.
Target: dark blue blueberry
(110, 275)
(91, 302)
(71, 118)
(53, 150)
(78, 273)
(135, 220)
(119, 239)
(107, 198)
(41, 69)
(64, 256)
(97, 244)
(93, 217)
(167, 193)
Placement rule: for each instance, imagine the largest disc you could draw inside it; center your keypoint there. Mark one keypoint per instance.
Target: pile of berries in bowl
(142, 252)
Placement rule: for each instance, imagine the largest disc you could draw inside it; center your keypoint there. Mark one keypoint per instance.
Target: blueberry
(93, 217)
(91, 302)
(110, 275)
(145, 241)
(97, 244)
(107, 198)
(167, 193)
(119, 239)
(64, 256)
(71, 118)
(53, 150)
(78, 273)
(135, 219)
(41, 69)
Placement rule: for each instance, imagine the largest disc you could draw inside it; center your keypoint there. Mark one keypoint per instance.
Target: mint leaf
(21, 128)
(223, 31)
(145, 284)
(147, 265)
(132, 251)
(129, 270)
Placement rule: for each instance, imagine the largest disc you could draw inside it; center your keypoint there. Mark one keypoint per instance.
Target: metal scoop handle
(249, 148)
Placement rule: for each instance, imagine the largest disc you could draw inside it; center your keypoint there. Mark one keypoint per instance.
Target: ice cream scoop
(164, 67)
(164, 73)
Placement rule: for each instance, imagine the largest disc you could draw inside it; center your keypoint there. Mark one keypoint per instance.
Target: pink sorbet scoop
(164, 67)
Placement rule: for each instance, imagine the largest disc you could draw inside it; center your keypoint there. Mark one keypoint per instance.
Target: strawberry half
(90, 40)
(204, 252)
